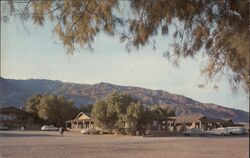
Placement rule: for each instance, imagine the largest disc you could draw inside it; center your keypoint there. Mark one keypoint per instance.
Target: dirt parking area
(41, 144)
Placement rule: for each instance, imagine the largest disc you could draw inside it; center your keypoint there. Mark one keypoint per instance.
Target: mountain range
(15, 92)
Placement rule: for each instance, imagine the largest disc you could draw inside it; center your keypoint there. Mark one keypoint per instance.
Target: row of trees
(118, 113)
(51, 109)
(122, 114)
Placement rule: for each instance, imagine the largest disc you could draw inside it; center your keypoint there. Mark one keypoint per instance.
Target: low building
(185, 122)
(202, 122)
(15, 118)
(161, 124)
(81, 121)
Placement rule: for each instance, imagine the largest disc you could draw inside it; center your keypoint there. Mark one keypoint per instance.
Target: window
(12, 117)
(5, 117)
(154, 123)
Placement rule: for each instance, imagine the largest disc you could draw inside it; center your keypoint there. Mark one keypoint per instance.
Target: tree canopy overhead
(219, 29)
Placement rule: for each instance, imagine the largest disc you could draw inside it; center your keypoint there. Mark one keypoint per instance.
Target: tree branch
(26, 7)
(80, 16)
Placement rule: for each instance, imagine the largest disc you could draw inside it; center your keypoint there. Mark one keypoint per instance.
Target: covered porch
(82, 121)
(162, 124)
(77, 125)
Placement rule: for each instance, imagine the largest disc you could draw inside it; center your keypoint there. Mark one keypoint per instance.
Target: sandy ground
(39, 144)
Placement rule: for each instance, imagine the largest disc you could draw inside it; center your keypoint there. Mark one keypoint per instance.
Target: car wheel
(222, 134)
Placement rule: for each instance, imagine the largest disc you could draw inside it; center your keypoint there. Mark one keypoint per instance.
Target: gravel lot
(40, 144)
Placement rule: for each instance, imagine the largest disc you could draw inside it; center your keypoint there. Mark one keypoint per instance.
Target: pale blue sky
(37, 53)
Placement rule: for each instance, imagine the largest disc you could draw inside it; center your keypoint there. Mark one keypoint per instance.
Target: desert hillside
(15, 92)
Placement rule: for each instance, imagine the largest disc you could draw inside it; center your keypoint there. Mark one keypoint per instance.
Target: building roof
(216, 120)
(82, 116)
(79, 120)
(12, 109)
(188, 118)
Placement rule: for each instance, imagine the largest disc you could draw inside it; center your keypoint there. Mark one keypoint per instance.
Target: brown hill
(15, 92)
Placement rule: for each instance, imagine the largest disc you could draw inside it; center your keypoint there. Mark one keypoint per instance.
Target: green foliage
(162, 112)
(122, 114)
(113, 113)
(31, 104)
(134, 118)
(219, 28)
(99, 114)
(51, 108)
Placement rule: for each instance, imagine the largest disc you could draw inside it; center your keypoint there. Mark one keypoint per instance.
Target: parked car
(236, 130)
(219, 131)
(89, 131)
(3, 127)
(194, 132)
(49, 128)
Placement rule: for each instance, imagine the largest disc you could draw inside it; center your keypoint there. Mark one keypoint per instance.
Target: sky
(35, 52)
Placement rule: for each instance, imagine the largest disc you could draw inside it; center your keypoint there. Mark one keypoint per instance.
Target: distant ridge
(15, 92)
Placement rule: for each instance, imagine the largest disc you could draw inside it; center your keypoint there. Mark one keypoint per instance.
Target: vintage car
(219, 131)
(49, 128)
(236, 130)
(194, 132)
(89, 131)
(2, 127)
